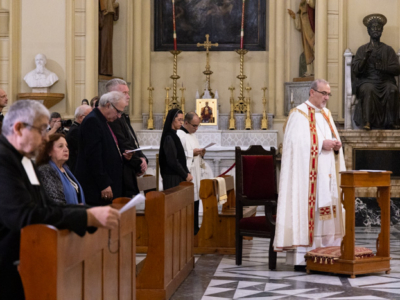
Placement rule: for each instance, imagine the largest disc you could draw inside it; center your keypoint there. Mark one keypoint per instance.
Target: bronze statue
(374, 69)
(109, 12)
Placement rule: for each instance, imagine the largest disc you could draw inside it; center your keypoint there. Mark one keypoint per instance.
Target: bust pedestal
(47, 99)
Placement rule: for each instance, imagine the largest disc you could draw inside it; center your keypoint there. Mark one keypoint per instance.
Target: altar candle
(242, 29)
(173, 22)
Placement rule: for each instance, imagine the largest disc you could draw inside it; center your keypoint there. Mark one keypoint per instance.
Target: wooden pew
(217, 231)
(146, 184)
(167, 237)
(58, 264)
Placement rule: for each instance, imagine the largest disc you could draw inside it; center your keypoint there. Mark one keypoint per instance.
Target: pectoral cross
(207, 45)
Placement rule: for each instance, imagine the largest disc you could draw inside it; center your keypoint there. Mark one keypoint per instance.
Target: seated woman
(172, 157)
(59, 183)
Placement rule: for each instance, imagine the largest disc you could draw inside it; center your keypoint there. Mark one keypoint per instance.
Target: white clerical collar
(30, 171)
(313, 106)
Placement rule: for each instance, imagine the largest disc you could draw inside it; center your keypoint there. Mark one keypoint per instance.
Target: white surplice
(293, 212)
(193, 163)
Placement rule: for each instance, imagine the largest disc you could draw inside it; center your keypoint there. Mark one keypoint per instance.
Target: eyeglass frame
(194, 126)
(323, 93)
(119, 112)
(43, 131)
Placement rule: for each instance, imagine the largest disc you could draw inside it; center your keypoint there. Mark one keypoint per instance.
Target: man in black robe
(23, 200)
(375, 67)
(127, 140)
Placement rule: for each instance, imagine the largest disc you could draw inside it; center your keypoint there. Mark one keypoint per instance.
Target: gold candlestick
(150, 121)
(232, 125)
(264, 121)
(241, 105)
(183, 99)
(248, 117)
(166, 103)
(175, 77)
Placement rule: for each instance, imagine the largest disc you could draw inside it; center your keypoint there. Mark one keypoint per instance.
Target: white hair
(111, 97)
(80, 110)
(114, 83)
(25, 111)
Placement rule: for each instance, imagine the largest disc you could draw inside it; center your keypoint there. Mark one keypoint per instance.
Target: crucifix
(207, 45)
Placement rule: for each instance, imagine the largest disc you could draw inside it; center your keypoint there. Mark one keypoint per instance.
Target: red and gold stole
(312, 185)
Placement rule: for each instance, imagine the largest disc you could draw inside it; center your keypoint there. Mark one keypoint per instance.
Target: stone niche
(373, 150)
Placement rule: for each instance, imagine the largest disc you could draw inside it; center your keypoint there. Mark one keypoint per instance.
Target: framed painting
(221, 19)
(206, 109)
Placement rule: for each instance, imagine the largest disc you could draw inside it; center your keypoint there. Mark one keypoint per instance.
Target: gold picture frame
(208, 116)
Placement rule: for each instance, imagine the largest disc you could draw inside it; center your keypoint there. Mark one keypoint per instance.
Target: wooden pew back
(58, 264)
(217, 231)
(169, 217)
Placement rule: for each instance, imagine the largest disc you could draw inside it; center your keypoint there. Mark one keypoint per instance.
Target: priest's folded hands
(329, 145)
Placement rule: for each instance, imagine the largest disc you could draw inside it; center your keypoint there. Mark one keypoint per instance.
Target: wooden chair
(256, 185)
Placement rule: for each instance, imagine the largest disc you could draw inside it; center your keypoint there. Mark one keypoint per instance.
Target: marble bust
(40, 77)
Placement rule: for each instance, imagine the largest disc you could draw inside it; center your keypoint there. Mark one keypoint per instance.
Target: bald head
(3, 99)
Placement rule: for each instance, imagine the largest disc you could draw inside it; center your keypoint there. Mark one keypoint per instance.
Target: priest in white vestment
(309, 212)
(194, 157)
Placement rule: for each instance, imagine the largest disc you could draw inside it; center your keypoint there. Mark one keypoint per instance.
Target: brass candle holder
(175, 77)
(150, 121)
(241, 105)
(232, 125)
(248, 117)
(264, 121)
(183, 99)
(166, 103)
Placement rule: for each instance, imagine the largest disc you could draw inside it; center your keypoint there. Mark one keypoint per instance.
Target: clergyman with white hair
(99, 164)
(72, 136)
(23, 200)
(40, 77)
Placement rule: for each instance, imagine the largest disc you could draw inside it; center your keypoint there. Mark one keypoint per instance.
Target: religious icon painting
(207, 111)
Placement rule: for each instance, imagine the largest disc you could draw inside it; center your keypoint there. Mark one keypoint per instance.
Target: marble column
(137, 59)
(14, 51)
(280, 13)
(271, 61)
(91, 49)
(321, 40)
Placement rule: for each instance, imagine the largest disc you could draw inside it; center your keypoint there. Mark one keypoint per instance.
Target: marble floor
(216, 277)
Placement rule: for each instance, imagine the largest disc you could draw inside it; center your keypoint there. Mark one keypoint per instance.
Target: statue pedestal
(47, 99)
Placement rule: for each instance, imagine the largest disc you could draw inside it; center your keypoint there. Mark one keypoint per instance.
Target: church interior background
(66, 32)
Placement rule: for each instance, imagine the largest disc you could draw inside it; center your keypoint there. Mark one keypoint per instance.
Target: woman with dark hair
(172, 157)
(85, 102)
(94, 101)
(58, 181)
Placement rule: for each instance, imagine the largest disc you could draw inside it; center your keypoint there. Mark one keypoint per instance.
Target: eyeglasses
(195, 126)
(42, 131)
(324, 93)
(119, 112)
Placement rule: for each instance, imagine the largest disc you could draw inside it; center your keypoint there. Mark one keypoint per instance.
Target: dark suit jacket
(127, 140)
(72, 138)
(99, 162)
(22, 204)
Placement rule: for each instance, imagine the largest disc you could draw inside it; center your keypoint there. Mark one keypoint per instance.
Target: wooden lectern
(347, 262)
